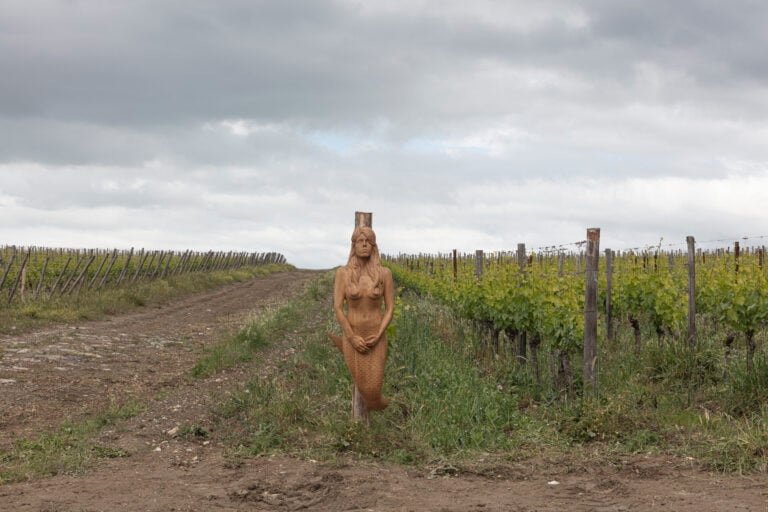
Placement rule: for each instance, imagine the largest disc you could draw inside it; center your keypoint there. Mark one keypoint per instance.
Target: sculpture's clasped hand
(359, 343)
(372, 340)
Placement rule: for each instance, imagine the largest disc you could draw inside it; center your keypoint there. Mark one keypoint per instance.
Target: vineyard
(34, 273)
(653, 302)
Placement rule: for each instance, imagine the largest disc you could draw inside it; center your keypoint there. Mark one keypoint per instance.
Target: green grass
(111, 301)
(676, 401)
(450, 403)
(441, 403)
(256, 335)
(69, 450)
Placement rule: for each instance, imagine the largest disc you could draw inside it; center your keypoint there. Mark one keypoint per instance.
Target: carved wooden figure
(364, 285)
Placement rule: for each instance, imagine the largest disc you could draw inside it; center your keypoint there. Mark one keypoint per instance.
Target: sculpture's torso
(364, 305)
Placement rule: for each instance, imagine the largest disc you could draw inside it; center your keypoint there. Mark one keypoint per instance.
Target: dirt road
(72, 371)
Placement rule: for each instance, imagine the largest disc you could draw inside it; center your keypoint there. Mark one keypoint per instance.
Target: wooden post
(359, 411)
(18, 277)
(105, 278)
(124, 271)
(521, 261)
(479, 264)
(83, 275)
(691, 290)
(590, 312)
(608, 289)
(79, 260)
(455, 267)
(736, 253)
(167, 265)
(23, 289)
(58, 280)
(142, 259)
(148, 268)
(204, 261)
(7, 269)
(42, 275)
(522, 336)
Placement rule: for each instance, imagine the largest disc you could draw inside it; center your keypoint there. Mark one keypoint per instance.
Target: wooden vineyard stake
(142, 258)
(7, 269)
(167, 265)
(159, 263)
(74, 271)
(23, 284)
(691, 290)
(42, 275)
(98, 271)
(590, 312)
(125, 268)
(21, 274)
(63, 271)
(479, 264)
(608, 293)
(82, 277)
(109, 269)
(359, 411)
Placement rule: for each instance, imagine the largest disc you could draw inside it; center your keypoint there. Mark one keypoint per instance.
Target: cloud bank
(264, 125)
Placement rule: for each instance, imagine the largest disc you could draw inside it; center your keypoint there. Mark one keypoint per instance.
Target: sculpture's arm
(389, 307)
(338, 302)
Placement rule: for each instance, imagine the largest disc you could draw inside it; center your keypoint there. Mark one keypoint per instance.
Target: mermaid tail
(337, 340)
(367, 370)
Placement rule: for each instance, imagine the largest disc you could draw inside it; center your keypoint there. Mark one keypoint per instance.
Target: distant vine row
(39, 272)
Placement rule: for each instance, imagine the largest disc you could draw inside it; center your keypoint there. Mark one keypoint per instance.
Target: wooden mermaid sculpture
(363, 284)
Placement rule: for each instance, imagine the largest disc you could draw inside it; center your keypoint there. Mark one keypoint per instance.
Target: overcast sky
(264, 125)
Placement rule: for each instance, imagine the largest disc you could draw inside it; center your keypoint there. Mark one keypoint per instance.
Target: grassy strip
(69, 450)
(447, 403)
(256, 335)
(442, 406)
(110, 301)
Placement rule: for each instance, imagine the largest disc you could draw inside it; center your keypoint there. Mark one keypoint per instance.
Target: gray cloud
(278, 119)
(320, 63)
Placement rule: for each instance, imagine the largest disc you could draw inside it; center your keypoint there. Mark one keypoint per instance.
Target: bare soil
(76, 370)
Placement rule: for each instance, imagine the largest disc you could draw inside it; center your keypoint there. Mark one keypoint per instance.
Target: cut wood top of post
(364, 219)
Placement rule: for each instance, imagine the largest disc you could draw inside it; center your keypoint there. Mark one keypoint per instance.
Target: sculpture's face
(363, 247)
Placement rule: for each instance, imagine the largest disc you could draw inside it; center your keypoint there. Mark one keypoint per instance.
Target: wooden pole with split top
(359, 411)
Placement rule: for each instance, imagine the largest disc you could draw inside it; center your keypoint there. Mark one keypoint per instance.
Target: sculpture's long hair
(372, 267)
